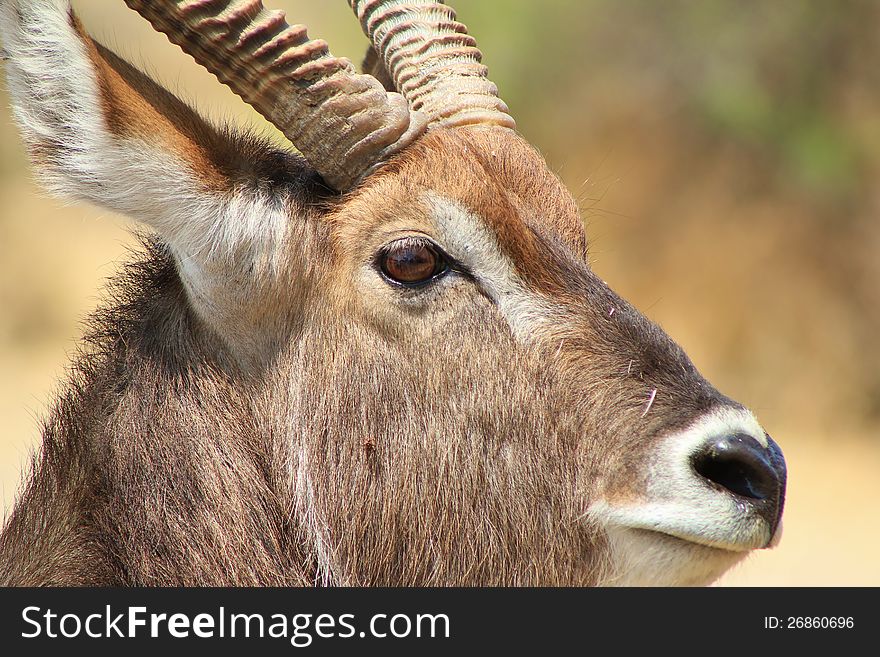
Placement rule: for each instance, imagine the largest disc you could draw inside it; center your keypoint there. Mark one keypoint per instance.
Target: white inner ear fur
(225, 244)
(57, 103)
(467, 237)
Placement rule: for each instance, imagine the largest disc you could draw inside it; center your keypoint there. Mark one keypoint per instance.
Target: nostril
(739, 464)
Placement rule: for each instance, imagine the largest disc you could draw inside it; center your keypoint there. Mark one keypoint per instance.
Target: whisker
(650, 402)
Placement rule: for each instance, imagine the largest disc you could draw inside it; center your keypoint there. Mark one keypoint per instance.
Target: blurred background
(726, 155)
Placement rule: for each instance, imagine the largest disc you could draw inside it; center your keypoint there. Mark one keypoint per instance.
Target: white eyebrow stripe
(467, 237)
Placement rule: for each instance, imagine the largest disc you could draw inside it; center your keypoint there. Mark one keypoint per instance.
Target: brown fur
(181, 466)
(384, 436)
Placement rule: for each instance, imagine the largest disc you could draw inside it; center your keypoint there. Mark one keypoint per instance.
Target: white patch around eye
(467, 238)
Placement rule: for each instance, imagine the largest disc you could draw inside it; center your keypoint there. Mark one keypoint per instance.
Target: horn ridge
(344, 123)
(433, 61)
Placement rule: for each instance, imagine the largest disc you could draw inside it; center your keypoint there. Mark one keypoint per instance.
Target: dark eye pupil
(411, 263)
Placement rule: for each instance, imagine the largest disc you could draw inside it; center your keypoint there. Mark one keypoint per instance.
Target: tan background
(727, 158)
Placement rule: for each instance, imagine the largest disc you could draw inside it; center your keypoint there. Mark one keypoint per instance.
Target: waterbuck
(384, 361)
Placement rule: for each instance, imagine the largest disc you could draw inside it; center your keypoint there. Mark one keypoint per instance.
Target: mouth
(712, 542)
(676, 555)
(735, 527)
(709, 542)
(690, 542)
(711, 494)
(706, 506)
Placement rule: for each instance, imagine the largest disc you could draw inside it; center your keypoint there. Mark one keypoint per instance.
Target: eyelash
(450, 264)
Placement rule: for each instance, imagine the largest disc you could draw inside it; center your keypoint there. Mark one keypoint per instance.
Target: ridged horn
(433, 61)
(342, 122)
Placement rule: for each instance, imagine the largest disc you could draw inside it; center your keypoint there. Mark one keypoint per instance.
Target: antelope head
(404, 314)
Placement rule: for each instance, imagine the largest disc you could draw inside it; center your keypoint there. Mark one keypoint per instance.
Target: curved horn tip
(432, 60)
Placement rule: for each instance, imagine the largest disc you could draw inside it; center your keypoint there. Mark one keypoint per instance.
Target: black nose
(741, 465)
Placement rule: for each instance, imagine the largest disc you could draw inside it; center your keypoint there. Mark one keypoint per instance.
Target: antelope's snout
(712, 493)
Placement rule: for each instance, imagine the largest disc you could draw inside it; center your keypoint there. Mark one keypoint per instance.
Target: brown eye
(411, 262)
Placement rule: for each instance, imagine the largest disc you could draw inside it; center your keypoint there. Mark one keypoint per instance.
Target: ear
(98, 129)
